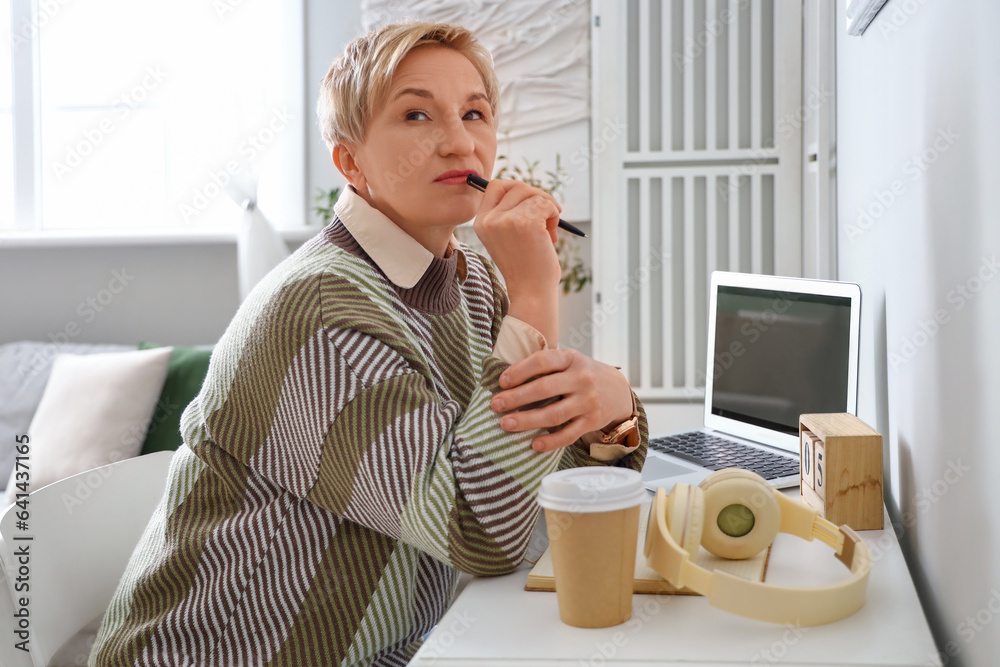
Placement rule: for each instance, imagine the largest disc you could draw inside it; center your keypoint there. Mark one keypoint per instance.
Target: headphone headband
(767, 602)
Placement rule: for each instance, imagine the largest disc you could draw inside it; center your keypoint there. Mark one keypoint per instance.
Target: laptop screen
(779, 354)
(779, 348)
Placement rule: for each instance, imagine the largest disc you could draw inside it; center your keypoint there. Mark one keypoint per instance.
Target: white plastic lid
(591, 489)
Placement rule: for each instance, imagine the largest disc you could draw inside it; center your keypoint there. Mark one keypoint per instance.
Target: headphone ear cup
(686, 517)
(742, 515)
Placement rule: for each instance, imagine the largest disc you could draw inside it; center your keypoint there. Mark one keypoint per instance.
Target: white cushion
(24, 371)
(95, 410)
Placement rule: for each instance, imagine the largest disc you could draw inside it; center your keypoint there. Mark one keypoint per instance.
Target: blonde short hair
(359, 79)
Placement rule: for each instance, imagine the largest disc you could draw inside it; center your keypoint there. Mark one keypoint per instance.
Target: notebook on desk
(777, 348)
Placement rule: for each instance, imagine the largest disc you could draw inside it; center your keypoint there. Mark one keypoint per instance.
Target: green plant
(575, 274)
(325, 199)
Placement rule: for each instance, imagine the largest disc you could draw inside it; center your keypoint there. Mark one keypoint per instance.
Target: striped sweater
(341, 465)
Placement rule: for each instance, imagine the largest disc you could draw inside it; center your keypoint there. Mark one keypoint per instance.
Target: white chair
(84, 529)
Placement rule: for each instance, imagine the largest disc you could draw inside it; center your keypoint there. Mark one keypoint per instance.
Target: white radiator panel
(702, 177)
(717, 221)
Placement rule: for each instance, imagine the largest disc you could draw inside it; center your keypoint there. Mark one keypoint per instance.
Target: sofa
(72, 407)
(105, 403)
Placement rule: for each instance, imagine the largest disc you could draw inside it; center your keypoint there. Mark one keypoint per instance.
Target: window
(6, 124)
(141, 113)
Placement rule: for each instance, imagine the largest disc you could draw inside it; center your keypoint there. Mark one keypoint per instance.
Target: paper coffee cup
(592, 516)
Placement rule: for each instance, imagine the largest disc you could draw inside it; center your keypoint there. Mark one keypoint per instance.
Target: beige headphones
(735, 514)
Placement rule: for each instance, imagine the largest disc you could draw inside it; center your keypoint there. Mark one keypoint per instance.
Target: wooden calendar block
(842, 475)
(807, 449)
(819, 465)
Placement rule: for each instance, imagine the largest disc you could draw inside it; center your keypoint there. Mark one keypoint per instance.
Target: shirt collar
(400, 257)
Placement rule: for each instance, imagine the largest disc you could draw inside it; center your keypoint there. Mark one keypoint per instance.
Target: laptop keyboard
(716, 453)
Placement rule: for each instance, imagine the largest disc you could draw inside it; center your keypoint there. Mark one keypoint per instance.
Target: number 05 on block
(841, 469)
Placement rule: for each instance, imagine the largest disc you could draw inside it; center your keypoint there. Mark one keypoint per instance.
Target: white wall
(168, 294)
(918, 110)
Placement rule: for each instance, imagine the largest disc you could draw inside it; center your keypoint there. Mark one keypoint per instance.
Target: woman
(378, 415)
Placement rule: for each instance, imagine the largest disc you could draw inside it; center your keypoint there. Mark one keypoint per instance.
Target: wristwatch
(626, 433)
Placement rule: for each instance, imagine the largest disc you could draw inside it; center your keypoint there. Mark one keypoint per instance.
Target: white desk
(494, 622)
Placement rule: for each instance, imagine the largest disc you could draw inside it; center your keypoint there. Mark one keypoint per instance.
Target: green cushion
(185, 374)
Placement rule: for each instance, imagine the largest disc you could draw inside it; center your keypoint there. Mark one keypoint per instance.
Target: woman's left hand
(591, 395)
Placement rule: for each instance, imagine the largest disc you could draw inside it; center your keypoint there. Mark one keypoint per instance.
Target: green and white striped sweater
(341, 463)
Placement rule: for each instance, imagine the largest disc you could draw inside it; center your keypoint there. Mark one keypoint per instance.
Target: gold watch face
(620, 430)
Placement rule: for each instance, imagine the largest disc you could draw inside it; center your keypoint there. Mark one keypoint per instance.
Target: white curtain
(540, 52)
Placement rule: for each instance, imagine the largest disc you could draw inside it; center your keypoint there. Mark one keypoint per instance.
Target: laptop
(777, 348)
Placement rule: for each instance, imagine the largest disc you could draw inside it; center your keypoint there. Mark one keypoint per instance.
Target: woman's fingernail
(504, 381)
(508, 423)
(497, 404)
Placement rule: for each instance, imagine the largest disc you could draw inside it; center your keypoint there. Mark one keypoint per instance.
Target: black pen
(480, 184)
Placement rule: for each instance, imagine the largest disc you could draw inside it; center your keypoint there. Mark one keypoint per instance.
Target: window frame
(25, 103)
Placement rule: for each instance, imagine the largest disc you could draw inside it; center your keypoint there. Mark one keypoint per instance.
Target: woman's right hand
(517, 224)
